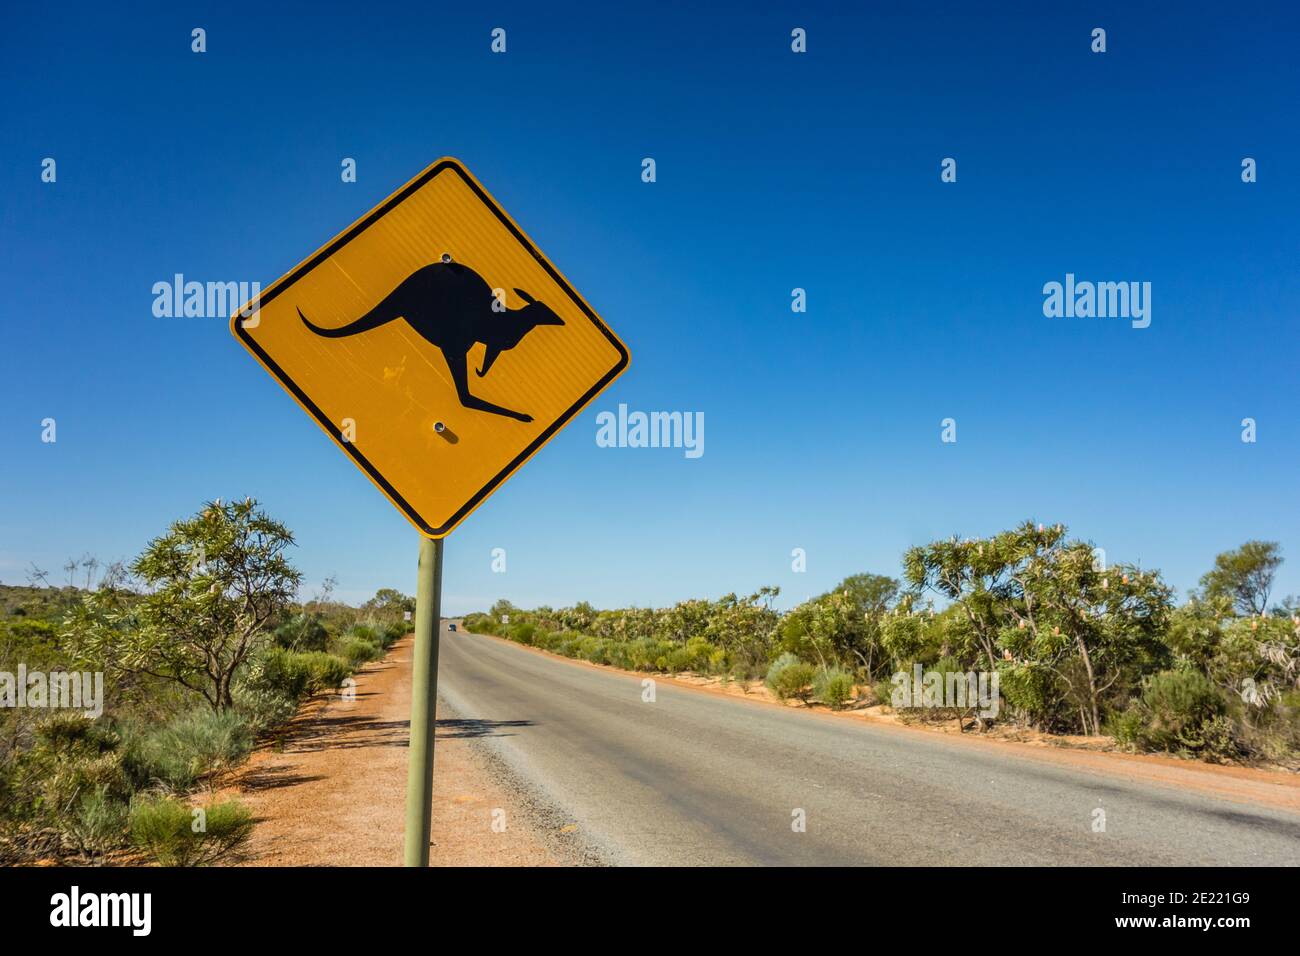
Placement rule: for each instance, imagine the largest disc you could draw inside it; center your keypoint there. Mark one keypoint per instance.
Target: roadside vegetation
(203, 650)
(1078, 647)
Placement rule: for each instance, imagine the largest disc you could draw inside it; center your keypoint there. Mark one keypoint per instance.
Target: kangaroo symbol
(451, 307)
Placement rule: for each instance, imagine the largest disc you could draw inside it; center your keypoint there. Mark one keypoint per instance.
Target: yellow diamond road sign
(435, 344)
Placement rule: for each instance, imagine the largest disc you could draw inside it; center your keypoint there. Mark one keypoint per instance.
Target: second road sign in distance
(435, 344)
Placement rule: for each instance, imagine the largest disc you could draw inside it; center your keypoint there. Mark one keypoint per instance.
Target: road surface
(697, 778)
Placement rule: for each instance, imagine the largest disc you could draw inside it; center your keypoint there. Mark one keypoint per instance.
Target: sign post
(424, 698)
(440, 350)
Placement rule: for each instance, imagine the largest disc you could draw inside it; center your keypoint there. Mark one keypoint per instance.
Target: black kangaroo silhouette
(450, 306)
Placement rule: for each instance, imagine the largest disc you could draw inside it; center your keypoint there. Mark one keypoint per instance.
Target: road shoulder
(329, 790)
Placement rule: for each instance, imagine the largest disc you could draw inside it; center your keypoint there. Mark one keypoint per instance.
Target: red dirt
(330, 790)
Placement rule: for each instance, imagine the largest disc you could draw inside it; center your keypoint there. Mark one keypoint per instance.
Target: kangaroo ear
(525, 296)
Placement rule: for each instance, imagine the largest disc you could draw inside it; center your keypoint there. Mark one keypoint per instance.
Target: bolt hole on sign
(435, 343)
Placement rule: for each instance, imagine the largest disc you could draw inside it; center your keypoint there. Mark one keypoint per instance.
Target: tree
(842, 625)
(685, 619)
(1093, 628)
(979, 576)
(389, 602)
(1058, 619)
(1256, 657)
(869, 592)
(215, 581)
(1244, 575)
(36, 576)
(869, 597)
(745, 626)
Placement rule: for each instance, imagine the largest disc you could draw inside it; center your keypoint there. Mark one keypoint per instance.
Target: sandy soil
(330, 790)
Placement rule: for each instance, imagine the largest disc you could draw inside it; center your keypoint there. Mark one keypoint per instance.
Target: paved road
(698, 779)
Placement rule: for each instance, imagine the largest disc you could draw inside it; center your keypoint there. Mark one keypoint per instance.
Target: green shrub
(594, 649)
(745, 672)
(392, 633)
(789, 677)
(1219, 739)
(546, 640)
(192, 747)
(362, 632)
(97, 824)
(648, 654)
(270, 687)
(479, 624)
(1180, 711)
(796, 682)
(882, 692)
(357, 650)
(326, 671)
(302, 632)
(65, 778)
(781, 663)
(833, 686)
(1271, 731)
(263, 707)
(1180, 703)
(620, 655)
(642, 653)
(176, 834)
(697, 655)
(72, 759)
(522, 633)
(679, 659)
(1128, 727)
(1034, 693)
(285, 672)
(66, 731)
(295, 675)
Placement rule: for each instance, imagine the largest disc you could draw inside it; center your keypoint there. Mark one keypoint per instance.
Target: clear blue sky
(775, 170)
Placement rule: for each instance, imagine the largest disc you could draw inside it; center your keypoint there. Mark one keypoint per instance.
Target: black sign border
(361, 460)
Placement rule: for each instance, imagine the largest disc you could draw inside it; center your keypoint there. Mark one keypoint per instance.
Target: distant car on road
(451, 627)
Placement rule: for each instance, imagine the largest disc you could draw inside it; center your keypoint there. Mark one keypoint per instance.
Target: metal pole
(424, 695)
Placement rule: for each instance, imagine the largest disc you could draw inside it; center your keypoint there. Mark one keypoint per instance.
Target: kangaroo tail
(379, 315)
